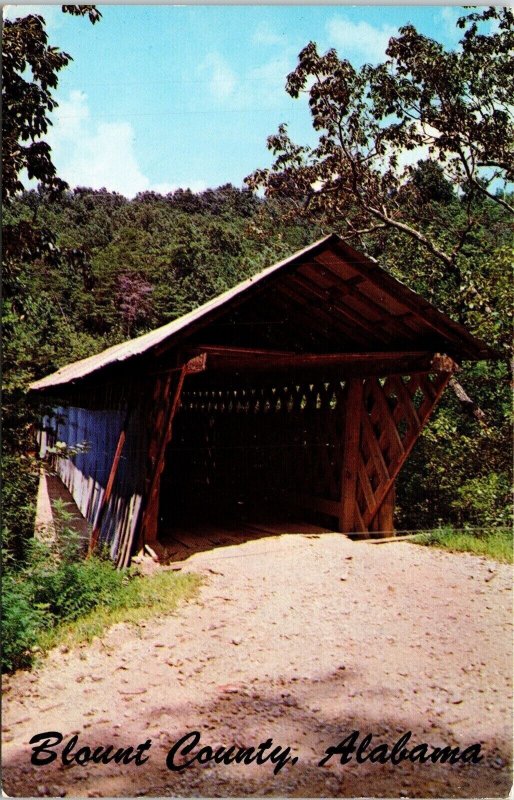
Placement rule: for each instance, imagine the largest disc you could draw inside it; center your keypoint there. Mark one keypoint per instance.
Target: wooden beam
(320, 504)
(406, 403)
(355, 323)
(338, 287)
(373, 387)
(316, 311)
(348, 520)
(221, 358)
(424, 312)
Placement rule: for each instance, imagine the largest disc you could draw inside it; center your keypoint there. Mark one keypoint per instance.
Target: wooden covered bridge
(299, 392)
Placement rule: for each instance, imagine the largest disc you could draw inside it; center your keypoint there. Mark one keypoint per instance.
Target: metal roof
(390, 288)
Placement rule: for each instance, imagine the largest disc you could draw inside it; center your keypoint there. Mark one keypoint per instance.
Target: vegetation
(30, 68)
(56, 596)
(452, 108)
(495, 543)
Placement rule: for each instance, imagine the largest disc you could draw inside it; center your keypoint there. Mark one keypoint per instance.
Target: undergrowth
(56, 595)
(496, 543)
(133, 602)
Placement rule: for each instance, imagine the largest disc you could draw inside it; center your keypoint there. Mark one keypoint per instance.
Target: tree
(30, 70)
(134, 300)
(451, 108)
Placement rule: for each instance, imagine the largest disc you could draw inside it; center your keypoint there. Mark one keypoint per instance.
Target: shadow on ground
(248, 715)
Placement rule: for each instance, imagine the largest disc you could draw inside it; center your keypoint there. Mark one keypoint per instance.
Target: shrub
(485, 500)
(22, 623)
(56, 595)
(53, 584)
(19, 488)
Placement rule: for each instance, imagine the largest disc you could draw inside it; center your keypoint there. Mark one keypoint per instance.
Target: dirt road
(299, 639)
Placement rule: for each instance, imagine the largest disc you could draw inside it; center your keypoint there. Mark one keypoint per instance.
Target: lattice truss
(392, 414)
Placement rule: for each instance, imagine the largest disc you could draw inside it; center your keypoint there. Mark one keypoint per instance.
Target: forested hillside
(112, 268)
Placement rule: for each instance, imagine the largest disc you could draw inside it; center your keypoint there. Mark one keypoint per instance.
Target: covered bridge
(299, 392)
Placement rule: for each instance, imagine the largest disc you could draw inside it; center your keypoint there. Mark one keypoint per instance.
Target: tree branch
(468, 406)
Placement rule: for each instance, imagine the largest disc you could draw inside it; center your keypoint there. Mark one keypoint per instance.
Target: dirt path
(296, 638)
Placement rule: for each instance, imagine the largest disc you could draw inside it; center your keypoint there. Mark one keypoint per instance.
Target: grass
(133, 602)
(495, 543)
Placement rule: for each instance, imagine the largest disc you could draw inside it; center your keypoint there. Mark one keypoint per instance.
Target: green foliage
(22, 622)
(19, 485)
(186, 258)
(115, 268)
(133, 602)
(54, 586)
(485, 500)
(456, 456)
(30, 68)
(441, 224)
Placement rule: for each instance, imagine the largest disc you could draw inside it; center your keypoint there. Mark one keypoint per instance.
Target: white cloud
(261, 86)
(98, 154)
(166, 188)
(449, 17)
(359, 40)
(266, 83)
(266, 36)
(222, 79)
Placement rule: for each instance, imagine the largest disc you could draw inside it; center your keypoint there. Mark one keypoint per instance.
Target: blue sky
(159, 97)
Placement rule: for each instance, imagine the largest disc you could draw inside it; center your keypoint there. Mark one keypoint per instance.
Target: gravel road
(298, 638)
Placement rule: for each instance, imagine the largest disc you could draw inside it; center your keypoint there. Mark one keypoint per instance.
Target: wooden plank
(352, 318)
(315, 310)
(299, 335)
(426, 386)
(351, 440)
(366, 485)
(375, 363)
(359, 522)
(428, 314)
(110, 484)
(342, 288)
(321, 504)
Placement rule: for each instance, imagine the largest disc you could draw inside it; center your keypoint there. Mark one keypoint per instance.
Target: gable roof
(337, 284)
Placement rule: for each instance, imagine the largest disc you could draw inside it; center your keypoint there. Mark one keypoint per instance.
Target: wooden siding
(86, 474)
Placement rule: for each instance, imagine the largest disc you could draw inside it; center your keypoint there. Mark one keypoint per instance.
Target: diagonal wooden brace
(169, 400)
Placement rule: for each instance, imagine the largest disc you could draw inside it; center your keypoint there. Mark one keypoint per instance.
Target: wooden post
(160, 438)
(110, 484)
(385, 515)
(348, 518)
(150, 521)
